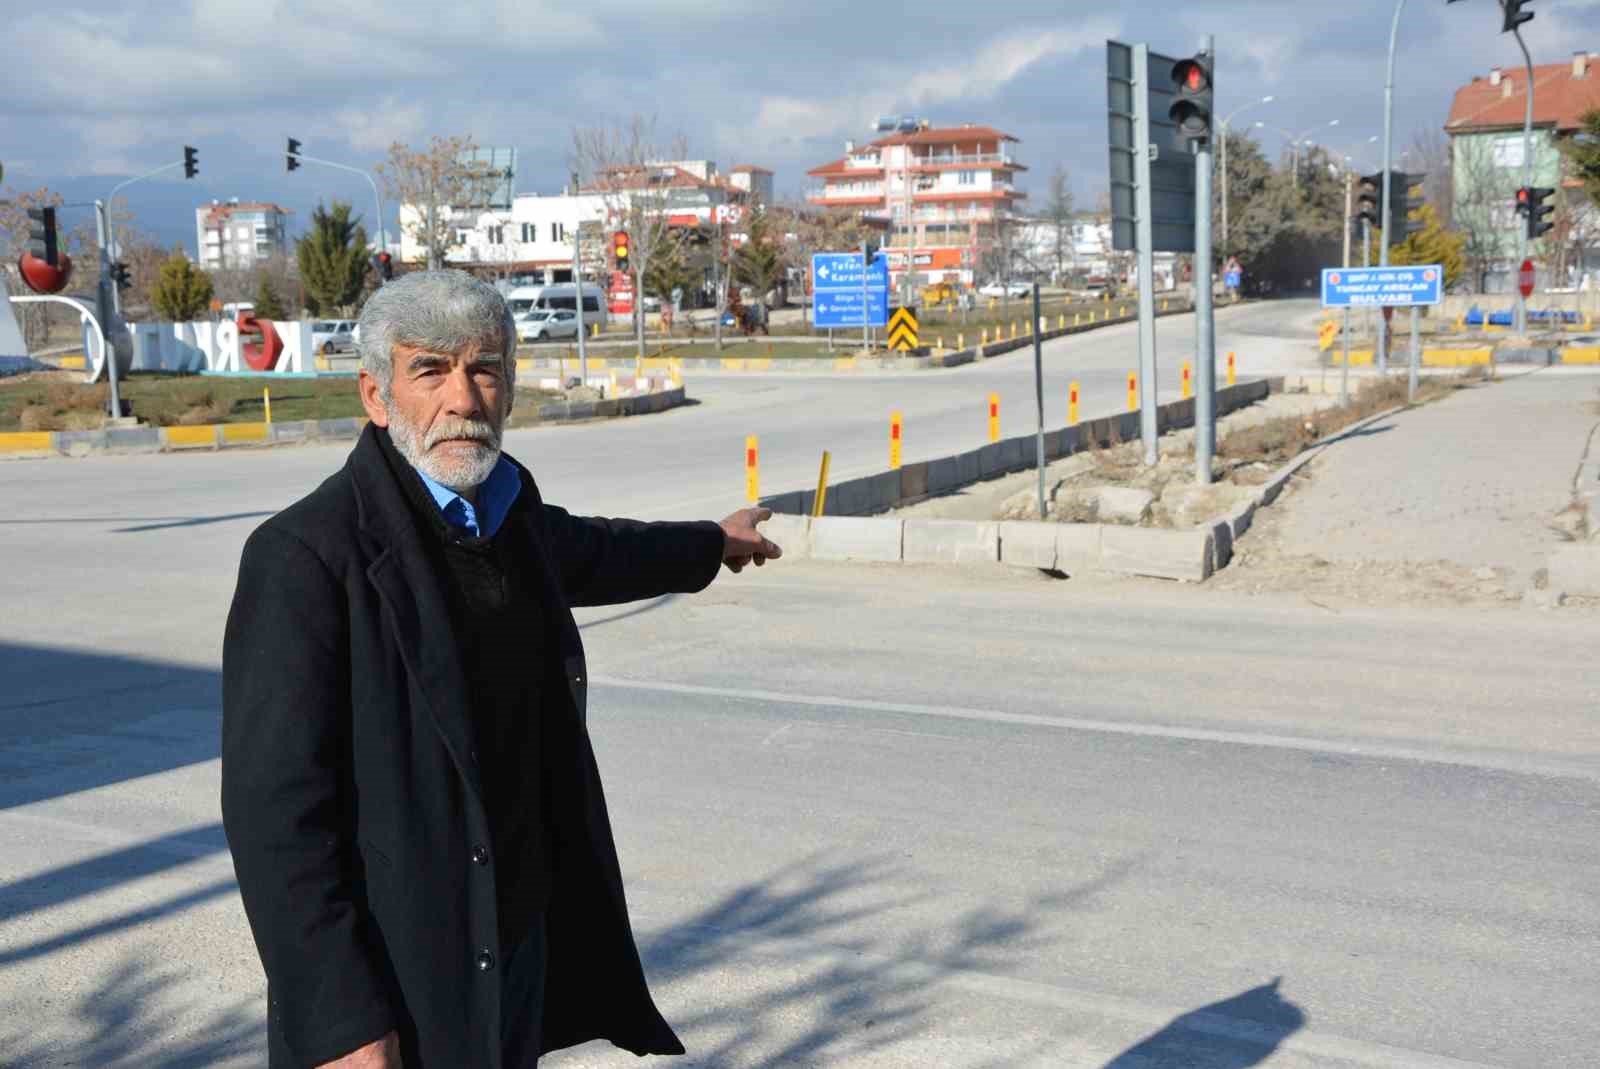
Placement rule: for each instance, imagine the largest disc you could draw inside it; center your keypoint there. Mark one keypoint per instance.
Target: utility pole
(1388, 141)
(1205, 352)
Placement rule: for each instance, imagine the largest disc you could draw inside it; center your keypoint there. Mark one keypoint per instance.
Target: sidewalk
(1460, 500)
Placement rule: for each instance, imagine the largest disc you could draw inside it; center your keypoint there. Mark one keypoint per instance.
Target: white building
(234, 235)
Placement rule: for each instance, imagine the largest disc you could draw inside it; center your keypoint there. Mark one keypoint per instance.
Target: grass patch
(167, 400)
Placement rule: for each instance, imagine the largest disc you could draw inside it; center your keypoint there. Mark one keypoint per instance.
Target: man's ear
(377, 411)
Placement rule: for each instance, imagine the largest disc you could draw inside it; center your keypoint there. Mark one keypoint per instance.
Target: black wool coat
(351, 795)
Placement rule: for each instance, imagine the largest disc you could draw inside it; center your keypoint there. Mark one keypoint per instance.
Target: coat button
(485, 961)
(480, 854)
(474, 755)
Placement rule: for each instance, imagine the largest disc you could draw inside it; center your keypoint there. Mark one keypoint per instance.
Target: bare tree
(625, 166)
(1430, 149)
(432, 184)
(1482, 205)
(808, 231)
(1058, 215)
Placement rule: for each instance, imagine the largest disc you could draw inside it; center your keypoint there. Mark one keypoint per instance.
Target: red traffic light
(1191, 76)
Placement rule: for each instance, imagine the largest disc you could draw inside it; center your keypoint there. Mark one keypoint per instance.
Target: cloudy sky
(95, 90)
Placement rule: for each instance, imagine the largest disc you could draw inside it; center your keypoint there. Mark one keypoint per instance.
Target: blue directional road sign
(1359, 287)
(1231, 279)
(837, 290)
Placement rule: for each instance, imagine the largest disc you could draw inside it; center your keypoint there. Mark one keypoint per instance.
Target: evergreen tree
(182, 293)
(333, 259)
(268, 306)
(1433, 244)
(758, 262)
(668, 271)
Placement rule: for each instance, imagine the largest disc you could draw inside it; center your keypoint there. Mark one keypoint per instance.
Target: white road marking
(1526, 764)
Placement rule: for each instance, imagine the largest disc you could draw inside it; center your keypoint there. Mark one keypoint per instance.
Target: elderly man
(408, 785)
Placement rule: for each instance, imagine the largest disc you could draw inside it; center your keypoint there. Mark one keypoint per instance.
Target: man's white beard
(462, 468)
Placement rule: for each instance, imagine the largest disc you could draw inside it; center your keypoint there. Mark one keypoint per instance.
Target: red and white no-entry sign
(1525, 278)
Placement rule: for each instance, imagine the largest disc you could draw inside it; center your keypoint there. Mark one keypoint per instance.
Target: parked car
(652, 304)
(545, 325)
(1005, 289)
(333, 335)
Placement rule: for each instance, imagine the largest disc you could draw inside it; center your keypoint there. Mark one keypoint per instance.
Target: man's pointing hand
(742, 543)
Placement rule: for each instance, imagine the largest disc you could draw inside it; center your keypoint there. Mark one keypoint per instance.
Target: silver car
(333, 336)
(544, 325)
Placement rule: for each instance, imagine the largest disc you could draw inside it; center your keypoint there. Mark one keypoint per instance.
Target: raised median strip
(852, 531)
(210, 436)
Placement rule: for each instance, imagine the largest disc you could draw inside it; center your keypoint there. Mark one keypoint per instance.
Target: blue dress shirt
(496, 495)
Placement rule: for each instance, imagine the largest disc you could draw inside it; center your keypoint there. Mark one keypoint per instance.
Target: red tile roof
(750, 167)
(1559, 98)
(946, 135)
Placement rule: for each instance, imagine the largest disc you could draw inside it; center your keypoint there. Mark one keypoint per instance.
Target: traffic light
(870, 253)
(1533, 209)
(42, 243)
(619, 248)
(294, 154)
(119, 275)
(1515, 16)
(1370, 198)
(1402, 204)
(1191, 82)
(191, 161)
(385, 265)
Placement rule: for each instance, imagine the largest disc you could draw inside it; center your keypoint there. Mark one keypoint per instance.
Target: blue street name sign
(1231, 279)
(1357, 287)
(837, 290)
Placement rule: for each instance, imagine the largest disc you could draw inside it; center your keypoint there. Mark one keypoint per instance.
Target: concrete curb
(212, 436)
(848, 534)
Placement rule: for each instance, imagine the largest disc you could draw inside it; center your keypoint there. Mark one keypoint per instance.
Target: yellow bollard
(895, 424)
(1072, 403)
(1061, 321)
(1230, 367)
(941, 343)
(961, 342)
(1163, 305)
(1105, 295)
(821, 498)
(752, 470)
(1074, 318)
(1187, 372)
(1013, 328)
(994, 417)
(1133, 391)
(1122, 313)
(266, 401)
(985, 340)
(1091, 317)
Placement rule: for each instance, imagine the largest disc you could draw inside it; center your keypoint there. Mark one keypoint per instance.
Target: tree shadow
(126, 1019)
(846, 990)
(1234, 1033)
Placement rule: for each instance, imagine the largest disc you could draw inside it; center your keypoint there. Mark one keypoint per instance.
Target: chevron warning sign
(903, 329)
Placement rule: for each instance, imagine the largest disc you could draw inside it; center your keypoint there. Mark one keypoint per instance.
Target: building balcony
(830, 196)
(947, 160)
(968, 195)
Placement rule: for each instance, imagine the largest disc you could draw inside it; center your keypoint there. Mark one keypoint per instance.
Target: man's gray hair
(440, 311)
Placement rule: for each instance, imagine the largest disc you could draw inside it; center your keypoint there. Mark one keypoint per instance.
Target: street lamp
(1295, 141)
(1224, 160)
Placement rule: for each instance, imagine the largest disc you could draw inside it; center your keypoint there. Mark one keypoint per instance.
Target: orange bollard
(1072, 403)
(1230, 367)
(994, 417)
(1133, 391)
(752, 470)
(1187, 385)
(895, 423)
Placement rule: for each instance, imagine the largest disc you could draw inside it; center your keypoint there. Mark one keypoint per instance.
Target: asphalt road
(868, 816)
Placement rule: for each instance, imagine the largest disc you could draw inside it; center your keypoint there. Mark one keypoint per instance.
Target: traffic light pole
(1205, 351)
(107, 235)
(1527, 181)
(105, 302)
(383, 237)
(1149, 425)
(1344, 330)
(1388, 142)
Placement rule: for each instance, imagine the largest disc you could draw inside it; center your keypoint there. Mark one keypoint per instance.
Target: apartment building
(1487, 167)
(944, 195)
(230, 234)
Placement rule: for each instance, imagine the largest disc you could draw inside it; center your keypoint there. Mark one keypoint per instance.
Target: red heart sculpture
(259, 355)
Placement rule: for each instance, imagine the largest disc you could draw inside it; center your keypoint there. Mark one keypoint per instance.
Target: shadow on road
(1232, 1034)
(795, 969)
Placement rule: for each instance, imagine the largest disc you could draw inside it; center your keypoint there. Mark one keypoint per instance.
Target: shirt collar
(496, 495)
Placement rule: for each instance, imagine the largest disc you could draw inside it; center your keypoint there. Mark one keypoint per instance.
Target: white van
(525, 299)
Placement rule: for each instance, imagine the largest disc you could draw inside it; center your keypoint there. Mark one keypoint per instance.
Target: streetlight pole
(1388, 141)
(1294, 145)
(383, 238)
(1527, 179)
(1222, 151)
